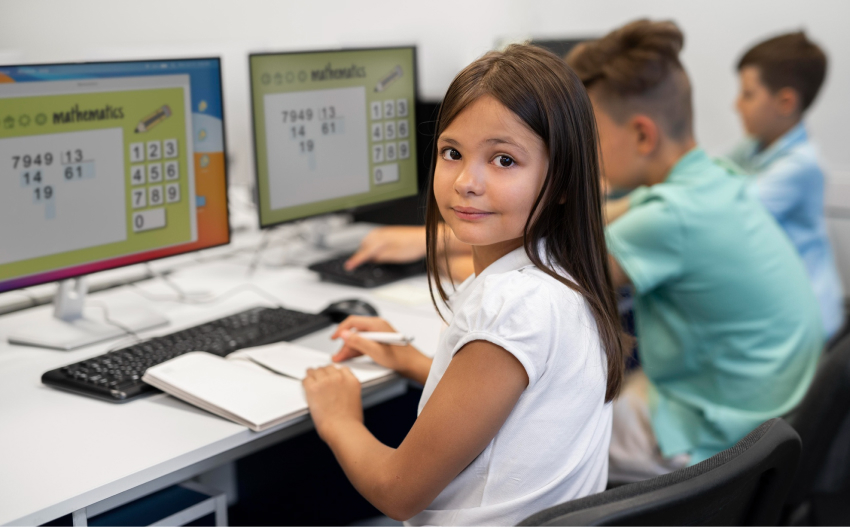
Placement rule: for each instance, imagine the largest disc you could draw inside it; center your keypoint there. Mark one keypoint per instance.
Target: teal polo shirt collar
(693, 163)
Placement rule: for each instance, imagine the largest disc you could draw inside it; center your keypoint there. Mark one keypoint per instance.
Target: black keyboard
(368, 274)
(116, 376)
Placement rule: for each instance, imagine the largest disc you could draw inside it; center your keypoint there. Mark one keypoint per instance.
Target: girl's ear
(646, 134)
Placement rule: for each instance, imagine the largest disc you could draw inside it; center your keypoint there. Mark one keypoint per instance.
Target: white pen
(393, 339)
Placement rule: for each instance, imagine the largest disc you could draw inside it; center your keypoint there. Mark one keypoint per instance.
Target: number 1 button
(377, 110)
(137, 152)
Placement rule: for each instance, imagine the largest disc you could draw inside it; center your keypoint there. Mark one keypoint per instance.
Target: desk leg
(222, 478)
(80, 519)
(221, 510)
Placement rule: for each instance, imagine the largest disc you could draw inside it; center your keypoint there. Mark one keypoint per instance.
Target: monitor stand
(311, 240)
(69, 328)
(319, 232)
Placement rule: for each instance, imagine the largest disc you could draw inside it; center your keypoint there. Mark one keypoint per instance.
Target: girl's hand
(354, 345)
(390, 245)
(333, 395)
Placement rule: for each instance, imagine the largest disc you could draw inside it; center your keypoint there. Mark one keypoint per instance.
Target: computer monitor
(333, 130)
(559, 46)
(104, 165)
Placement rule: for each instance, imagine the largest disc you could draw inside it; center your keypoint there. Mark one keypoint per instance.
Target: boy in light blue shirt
(780, 78)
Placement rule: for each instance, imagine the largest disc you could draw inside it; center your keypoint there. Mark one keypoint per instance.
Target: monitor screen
(108, 164)
(333, 130)
(560, 47)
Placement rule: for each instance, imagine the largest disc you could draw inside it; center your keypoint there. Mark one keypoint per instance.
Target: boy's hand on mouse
(390, 245)
(354, 345)
(333, 395)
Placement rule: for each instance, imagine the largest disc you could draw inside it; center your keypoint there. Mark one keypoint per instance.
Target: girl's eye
(450, 154)
(505, 161)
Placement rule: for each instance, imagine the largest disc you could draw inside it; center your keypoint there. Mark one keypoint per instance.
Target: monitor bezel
(349, 210)
(224, 146)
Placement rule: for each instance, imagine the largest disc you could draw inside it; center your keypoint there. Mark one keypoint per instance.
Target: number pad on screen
(155, 182)
(389, 122)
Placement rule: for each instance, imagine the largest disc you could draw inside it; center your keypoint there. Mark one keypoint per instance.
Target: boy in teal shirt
(780, 79)
(727, 324)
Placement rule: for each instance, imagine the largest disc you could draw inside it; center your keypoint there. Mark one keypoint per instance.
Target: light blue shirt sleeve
(648, 243)
(782, 186)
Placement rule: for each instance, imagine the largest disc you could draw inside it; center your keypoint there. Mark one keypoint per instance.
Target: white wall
(716, 34)
(449, 34)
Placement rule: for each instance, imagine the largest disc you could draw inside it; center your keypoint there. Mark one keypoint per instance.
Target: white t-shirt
(554, 445)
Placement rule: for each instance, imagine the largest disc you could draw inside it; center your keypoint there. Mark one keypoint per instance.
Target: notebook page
(257, 397)
(293, 361)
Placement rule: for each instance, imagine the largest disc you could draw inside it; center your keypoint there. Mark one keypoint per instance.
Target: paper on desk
(404, 293)
(293, 361)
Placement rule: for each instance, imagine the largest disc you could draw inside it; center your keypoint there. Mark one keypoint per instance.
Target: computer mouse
(338, 311)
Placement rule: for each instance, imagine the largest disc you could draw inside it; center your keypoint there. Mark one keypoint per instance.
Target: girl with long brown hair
(515, 414)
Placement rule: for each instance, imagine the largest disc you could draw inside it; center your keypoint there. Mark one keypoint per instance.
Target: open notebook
(255, 387)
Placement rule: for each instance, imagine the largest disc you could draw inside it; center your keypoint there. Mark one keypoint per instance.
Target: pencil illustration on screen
(394, 75)
(153, 119)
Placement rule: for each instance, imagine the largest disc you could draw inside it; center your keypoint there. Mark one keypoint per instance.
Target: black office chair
(744, 485)
(823, 421)
(844, 330)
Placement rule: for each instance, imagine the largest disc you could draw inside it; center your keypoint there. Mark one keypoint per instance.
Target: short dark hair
(789, 61)
(636, 68)
(546, 95)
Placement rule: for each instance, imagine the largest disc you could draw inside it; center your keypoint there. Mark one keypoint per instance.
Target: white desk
(61, 453)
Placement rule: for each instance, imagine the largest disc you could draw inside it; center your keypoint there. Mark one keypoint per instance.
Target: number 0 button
(147, 220)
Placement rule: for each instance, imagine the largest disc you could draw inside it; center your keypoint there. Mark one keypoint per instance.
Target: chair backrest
(844, 330)
(744, 485)
(819, 416)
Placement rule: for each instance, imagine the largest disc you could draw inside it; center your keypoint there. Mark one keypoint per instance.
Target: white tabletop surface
(60, 452)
